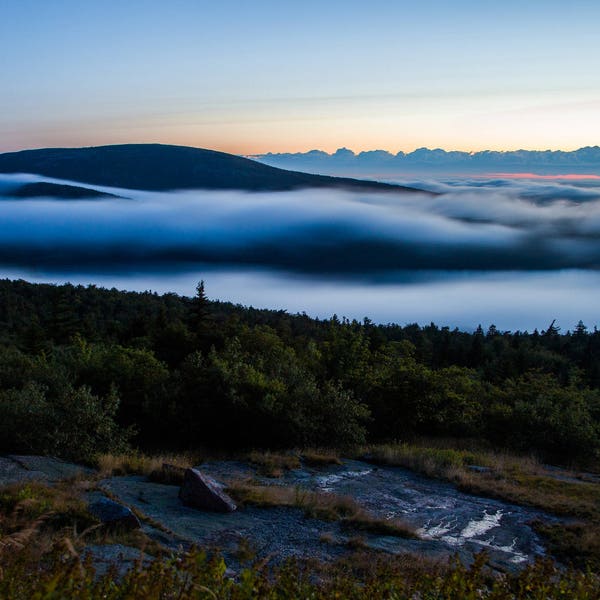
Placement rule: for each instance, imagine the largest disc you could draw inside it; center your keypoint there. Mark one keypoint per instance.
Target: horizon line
(341, 149)
(430, 149)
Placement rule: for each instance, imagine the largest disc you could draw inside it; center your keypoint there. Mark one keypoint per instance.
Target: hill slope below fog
(160, 167)
(44, 189)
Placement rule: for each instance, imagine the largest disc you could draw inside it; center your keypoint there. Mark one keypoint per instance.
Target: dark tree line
(85, 369)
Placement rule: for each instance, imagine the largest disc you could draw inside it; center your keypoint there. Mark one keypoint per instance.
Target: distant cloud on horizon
(558, 164)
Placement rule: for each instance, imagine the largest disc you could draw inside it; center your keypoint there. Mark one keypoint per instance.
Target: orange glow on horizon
(567, 176)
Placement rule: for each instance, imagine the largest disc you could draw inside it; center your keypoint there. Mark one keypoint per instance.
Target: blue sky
(251, 77)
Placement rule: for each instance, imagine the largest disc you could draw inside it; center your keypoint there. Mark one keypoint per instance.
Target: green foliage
(193, 373)
(259, 389)
(197, 576)
(535, 411)
(135, 374)
(73, 424)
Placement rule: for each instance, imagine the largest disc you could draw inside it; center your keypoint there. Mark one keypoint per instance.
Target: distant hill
(55, 190)
(160, 167)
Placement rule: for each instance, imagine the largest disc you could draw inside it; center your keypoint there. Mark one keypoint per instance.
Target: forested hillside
(84, 369)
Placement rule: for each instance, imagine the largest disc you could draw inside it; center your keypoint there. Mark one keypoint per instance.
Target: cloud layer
(423, 160)
(470, 226)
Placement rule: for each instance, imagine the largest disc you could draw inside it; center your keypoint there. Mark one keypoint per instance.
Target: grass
(517, 479)
(581, 500)
(366, 522)
(40, 519)
(575, 544)
(273, 464)
(327, 537)
(320, 458)
(169, 468)
(318, 505)
(59, 505)
(43, 518)
(195, 575)
(168, 474)
(163, 468)
(356, 543)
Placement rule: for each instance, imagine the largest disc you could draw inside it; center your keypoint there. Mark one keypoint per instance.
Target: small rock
(112, 513)
(203, 492)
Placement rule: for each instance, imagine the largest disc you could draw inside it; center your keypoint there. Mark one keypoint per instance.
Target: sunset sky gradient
(253, 77)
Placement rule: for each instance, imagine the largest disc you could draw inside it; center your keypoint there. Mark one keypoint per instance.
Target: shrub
(74, 424)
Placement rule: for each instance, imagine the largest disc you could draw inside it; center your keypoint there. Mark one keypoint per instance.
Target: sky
(253, 77)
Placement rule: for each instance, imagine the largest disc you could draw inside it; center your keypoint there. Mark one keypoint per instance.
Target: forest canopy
(86, 370)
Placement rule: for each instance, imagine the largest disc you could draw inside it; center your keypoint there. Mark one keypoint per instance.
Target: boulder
(114, 514)
(203, 492)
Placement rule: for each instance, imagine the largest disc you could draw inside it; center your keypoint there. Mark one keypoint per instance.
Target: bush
(74, 424)
(534, 412)
(257, 393)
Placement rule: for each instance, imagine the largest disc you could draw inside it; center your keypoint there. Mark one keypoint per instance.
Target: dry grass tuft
(19, 539)
(518, 479)
(141, 464)
(576, 544)
(272, 464)
(364, 521)
(327, 538)
(319, 458)
(40, 519)
(168, 474)
(356, 542)
(35, 517)
(318, 505)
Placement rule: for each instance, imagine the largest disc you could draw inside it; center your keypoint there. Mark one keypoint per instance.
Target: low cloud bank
(379, 163)
(472, 225)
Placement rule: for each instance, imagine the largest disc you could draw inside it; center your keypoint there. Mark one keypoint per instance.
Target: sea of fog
(517, 254)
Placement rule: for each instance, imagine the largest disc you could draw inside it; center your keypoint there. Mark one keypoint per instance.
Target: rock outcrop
(17, 469)
(203, 492)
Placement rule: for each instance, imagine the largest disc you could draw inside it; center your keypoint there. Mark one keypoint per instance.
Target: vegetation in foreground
(44, 530)
(198, 576)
